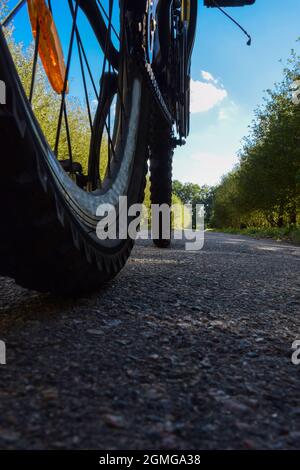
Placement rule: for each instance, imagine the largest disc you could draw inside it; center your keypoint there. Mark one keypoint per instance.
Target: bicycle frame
(228, 3)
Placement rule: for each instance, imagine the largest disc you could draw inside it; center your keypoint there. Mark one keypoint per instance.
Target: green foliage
(46, 106)
(276, 233)
(264, 189)
(190, 193)
(3, 9)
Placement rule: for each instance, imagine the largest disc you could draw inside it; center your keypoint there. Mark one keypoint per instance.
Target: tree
(264, 188)
(190, 193)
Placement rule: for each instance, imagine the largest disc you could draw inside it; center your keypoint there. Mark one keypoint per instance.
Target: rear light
(50, 50)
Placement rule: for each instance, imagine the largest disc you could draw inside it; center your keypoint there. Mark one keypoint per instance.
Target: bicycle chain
(154, 88)
(147, 71)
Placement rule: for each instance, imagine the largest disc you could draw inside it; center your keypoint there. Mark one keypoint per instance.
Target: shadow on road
(182, 350)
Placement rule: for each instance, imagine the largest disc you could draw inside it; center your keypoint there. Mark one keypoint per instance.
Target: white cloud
(207, 76)
(202, 156)
(228, 112)
(204, 167)
(205, 96)
(223, 115)
(211, 150)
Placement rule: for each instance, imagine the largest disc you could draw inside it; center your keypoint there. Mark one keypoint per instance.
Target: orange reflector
(50, 50)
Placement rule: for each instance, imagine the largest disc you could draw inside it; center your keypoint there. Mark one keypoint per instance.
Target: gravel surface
(183, 350)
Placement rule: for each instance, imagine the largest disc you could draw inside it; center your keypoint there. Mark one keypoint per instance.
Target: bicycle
(136, 91)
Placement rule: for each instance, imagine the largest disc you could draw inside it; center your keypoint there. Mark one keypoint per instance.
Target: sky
(228, 77)
(228, 82)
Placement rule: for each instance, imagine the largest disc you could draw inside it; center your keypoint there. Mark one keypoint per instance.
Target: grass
(291, 234)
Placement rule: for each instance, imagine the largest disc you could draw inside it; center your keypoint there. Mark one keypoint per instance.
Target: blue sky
(228, 77)
(232, 85)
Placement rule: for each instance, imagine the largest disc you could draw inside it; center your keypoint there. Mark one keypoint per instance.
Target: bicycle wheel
(177, 41)
(161, 153)
(75, 137)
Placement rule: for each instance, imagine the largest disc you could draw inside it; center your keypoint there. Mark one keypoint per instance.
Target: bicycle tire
(48, 237)
(161, 153)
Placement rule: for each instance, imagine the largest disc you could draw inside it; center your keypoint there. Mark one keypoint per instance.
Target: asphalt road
(183, 350)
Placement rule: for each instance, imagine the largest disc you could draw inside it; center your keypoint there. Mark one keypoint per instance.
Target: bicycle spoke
(34, 65)
(79, 45)
(108, 127)
(12, 14)
(109, 109)
(107, 39)
(122, 74)
(66, 77)
(84, 83)
(68, 137)
(88, 67)
(107, 17)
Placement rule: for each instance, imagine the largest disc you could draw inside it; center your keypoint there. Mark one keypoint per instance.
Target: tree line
(263, 190)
